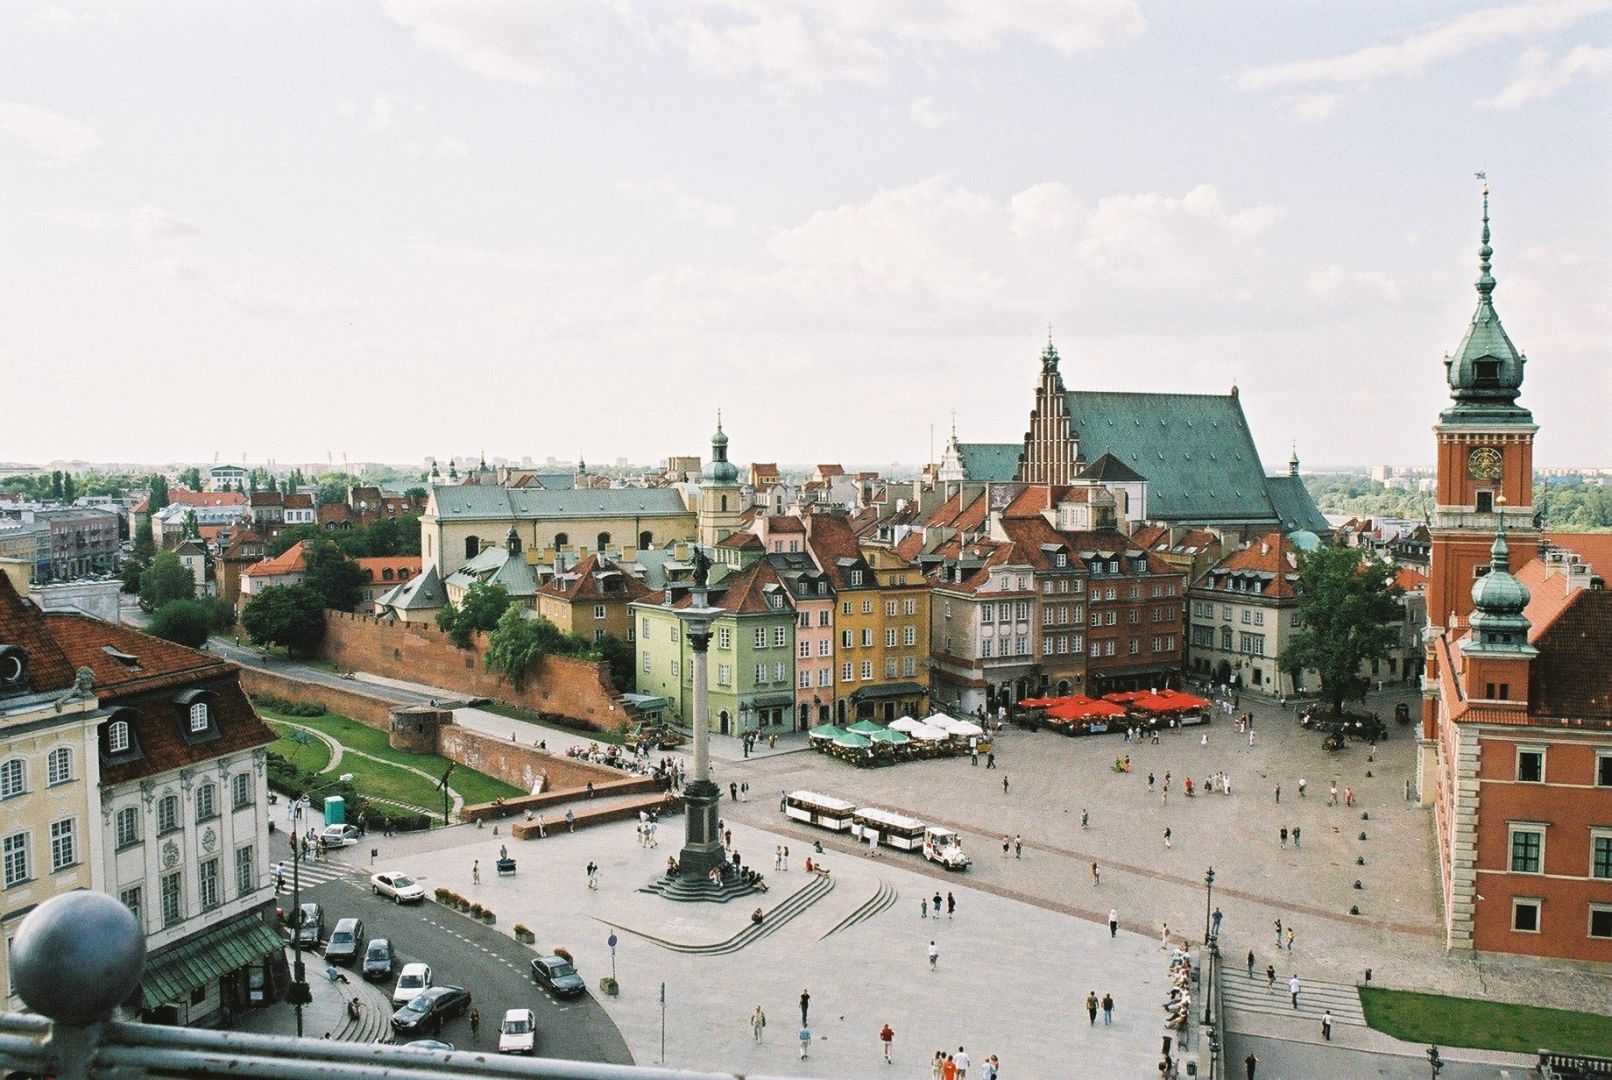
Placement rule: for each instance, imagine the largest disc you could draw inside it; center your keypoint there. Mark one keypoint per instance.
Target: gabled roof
(496, 566)
(1294, 507)
(186, 497)
(1109, 468)
(293, 560)
(422, 593)
(800, 575)
(1270, 559)
(190, 547)
(1593, 548)
(489, 503)
(741, 541)
(784, 523)
(1410, 580)
(1036, 543)
(593, 580)
(266, 498)
(834, 547)
(984, 462)
(743, 592)
(1152, 538)
(1194, 449)
(966, 568)
(403, 567)
(299, 500)
(123, 659)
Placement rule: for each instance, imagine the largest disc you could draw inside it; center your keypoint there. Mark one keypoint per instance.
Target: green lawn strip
(515, 712)
(1437, 1020)
(474, 786)
(311, 756)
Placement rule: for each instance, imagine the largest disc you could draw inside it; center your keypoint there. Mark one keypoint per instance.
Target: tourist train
(874, 827)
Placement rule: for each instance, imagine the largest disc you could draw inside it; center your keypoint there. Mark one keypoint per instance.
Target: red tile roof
(1569, 678)
(266, 498)
(1271, 558)
(741, 541)
(1410, 580)
(299, 500)
(1593, 548)
(403, 567)
(186, 497)
(582, 583)
(23, 625)
(290, 561)
(829, 539)
(784, 523)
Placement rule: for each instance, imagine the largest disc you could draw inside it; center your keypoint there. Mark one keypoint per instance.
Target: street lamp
(298, 994)
(1208, 901)
(745, 711)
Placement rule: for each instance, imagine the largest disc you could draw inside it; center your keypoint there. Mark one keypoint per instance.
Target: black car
(555, 974)
(378, 959)
(346, 942)
(309, 922)
(434, 1006)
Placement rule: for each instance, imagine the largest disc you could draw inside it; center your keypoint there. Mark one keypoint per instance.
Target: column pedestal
(702, 846)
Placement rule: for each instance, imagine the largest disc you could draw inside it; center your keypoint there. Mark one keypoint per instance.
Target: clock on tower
(1485, 463)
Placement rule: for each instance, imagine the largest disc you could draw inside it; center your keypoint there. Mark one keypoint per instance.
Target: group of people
(1178, 1005)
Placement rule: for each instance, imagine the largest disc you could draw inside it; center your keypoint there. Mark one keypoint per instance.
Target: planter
(564, 954)
(524, 936)
(489, 918)
(609, 986)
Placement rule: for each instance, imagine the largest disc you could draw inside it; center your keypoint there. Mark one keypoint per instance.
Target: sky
(416, 228)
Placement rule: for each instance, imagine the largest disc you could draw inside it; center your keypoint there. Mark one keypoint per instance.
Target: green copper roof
(1194, 450)
(1498, 598)
(989, 462)
(1294, 508)
(1485, 374)
(202, 960)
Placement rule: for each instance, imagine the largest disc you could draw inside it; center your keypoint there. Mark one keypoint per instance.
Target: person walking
(1113, 923)
(570, 820)
(1004, 784)
(1326, 1024)
(1018, 846)
(1096, 876)
(1091, 1007)
(1250, 963)
(960, 1059)
(923, 908)
(475, 872)
(1167, 838)
(1085, 819)
(1164, 937)
(990, 759)
(805, 1038)
(1293, 989)
(936, 902)
(887, 1035)
(1150, 783)
(1215, 924)
(1303, 784)
(951, 905)
(934, 955)
(1278, 933)
(1332, 795)
(1250, 1063)
(948, 1069)
(758, 1020)
(1270, 976)
(1108, 1007)
(785, 866)
(992, 1068)
(805, 1004)
(1284, 837)
(973, 753)
(1007, 842)
(1290, 937)
(475, 1021)
(1278, 793)
(1296, 836)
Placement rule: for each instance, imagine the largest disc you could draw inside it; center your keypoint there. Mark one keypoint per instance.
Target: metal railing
(77, 956)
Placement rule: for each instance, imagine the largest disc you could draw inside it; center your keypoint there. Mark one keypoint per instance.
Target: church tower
(1485, 455)
(1051, 455)
(719, 493)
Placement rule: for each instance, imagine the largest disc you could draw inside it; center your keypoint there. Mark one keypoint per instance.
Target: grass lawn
(1485, 1025)
(310, 756)
(378, 780)
(515, 712)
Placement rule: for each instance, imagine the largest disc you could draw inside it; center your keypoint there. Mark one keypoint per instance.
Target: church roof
(1194, 449)
(989, 461)
(458, 502)
(1110, 469)
(1294, 507)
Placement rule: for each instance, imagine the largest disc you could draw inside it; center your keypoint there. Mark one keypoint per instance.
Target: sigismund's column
(702, 846)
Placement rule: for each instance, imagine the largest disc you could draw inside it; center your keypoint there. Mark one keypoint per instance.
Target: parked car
(556, 975)
(400, 887)
(378, 959)
(346, 942)
(309, 922)
(431, 1009)
(415, 979)
(518, 1033)
(428, 1044)
(338, 835)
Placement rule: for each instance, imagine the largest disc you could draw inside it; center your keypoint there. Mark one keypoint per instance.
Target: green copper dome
(1485, 374)
(721, 470)
(1498, 598)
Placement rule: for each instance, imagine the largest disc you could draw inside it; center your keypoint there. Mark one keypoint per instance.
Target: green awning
(889, 690)
(865, 727)
(773, 701)
(176, 972)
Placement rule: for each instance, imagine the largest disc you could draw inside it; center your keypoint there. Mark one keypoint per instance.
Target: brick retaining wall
(366, 710)
(518, 765)
(580, 691)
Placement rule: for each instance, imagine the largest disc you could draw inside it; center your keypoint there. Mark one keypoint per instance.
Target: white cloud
(501, 39)
(1045, 208)
(780, 46)
(448, 146)
(681, 202)
(58, 19)
(381, 111)
(1538, 76)
(1415, 53)
(47, 135)
(1334, 285)
(90, 221)
(155, 223)
(1312, 108)
(173, 270)
(923, 112)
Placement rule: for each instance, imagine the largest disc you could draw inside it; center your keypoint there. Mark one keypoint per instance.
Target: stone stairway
(771, 922)
(883, 899)
(374, 1021)
(1255, 995)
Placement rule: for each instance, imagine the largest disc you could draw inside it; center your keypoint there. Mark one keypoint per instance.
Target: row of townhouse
(136, 767)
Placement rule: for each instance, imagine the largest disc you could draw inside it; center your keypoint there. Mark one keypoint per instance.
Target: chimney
(20, 571)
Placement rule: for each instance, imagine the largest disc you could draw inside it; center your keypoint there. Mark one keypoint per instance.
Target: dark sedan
(378, 959)
(429, 1011)
(556, 975)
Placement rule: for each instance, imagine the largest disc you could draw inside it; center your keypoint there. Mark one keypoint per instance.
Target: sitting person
(755, 916)
(671, 866)
(817, 846)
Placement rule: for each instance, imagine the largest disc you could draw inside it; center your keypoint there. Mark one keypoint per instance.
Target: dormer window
(1486, 372)
(13, 667)
(1060, 560)
(198, 718)
(117, 736)
(856, 578)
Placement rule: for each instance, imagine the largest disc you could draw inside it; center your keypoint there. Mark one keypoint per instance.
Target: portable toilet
(335, 810)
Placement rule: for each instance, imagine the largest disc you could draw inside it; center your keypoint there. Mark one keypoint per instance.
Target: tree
(145, 543)
(273, 484)
(481, 608)
(156, 493)
(289, 615)
(190, 478)
(333, 488)
(56, 485)
(417, 493)
(186, 622)
(331, 574)
(1350, 609)
(517, 643)
(165, 580)
(623, 662)
(192, 525)
(69, 488)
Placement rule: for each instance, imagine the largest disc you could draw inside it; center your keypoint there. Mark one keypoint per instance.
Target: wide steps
(883, 899)
(770, 923)
(1238, 991)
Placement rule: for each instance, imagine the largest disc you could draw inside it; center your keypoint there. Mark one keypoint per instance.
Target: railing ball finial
(77, 956)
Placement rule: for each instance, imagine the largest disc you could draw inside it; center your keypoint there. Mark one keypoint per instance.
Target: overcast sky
(423, 227)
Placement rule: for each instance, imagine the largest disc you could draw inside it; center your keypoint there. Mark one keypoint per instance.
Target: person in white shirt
(960, 1059)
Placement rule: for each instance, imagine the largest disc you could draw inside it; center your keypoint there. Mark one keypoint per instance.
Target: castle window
(561, 540)
(603, 541)
(646, 540)
(1486, 372)
(472, 547)
(1525, 914)
(1530, 764)
(1485, 502)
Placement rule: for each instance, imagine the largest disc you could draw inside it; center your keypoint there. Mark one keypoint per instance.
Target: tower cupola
(721, 470)
(1485, 373)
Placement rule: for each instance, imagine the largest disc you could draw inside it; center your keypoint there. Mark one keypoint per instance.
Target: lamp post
(746, 710)
(1208, 901)
(1211, 947)
(299, 984)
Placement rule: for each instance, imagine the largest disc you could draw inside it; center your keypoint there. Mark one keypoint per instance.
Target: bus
(824, 811)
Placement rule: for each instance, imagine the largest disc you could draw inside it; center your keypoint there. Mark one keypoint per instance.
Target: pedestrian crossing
(318, 873)
(1255, 994)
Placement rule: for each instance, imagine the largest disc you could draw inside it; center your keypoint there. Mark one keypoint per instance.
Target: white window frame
(206, 801)
(13, 778)
(724, 675)
(117, 736)
(867, 671)
(758, 637)
(171, 901)
(1531, 748)
(1524, 828)
(1599, 834)
(724, 637)
(59, 766)
(598, 611)
(198, 718)
(1537, 904)
(16, 861)
(240, 790)
(127, 826)
(63, 844)
(208, 892)
(1589, 921)
(780, 637)
(167, 823)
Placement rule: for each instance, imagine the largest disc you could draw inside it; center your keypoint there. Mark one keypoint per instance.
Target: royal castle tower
(1485, 464)
(1050, 454)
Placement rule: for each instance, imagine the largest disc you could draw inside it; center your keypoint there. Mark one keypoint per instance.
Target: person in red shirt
(887, 1036)
(948, 1070)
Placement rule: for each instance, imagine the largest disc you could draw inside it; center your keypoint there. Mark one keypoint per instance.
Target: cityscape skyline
(450, 206)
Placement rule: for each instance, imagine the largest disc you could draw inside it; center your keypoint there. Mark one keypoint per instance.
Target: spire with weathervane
(1485, 373)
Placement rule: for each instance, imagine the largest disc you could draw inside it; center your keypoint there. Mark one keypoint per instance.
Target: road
(493, 967)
